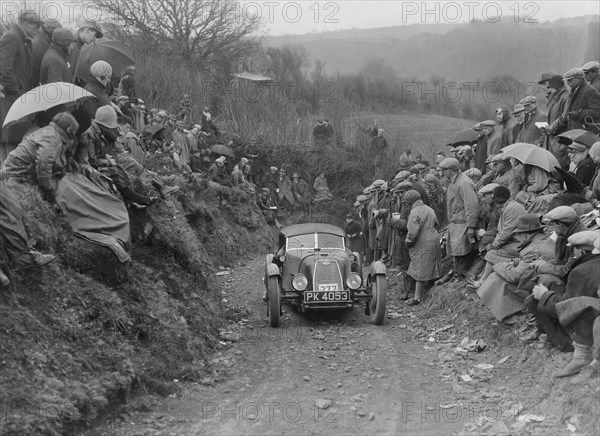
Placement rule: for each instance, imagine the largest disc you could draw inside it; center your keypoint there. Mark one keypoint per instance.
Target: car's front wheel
(274, 300)
(378, 299)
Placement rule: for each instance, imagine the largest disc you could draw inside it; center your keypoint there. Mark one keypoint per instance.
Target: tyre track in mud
(333, 373)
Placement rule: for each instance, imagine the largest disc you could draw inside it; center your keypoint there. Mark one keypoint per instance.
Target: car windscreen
(301, 242)
(328, 241)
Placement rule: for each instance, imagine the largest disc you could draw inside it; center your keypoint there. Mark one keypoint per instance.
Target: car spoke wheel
(274, 301)
(378, 299)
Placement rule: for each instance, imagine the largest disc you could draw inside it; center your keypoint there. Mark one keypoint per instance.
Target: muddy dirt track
(331, 374)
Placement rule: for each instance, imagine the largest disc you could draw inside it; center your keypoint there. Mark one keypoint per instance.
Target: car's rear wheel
(378, 299)
(274, 295)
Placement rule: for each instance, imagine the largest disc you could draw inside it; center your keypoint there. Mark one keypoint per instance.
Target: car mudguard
(377, 268)
(271, 269)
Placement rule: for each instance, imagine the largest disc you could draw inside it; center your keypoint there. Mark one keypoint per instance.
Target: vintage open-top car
(314, 270)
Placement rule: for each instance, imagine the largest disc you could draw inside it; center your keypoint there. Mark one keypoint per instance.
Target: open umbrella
(43, 98)
(579, 135)
(531, 154)
(464, 137)
(117, 54)
(221, 149)
(154, 130)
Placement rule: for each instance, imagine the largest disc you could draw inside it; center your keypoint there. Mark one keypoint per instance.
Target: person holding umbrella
(87, 33)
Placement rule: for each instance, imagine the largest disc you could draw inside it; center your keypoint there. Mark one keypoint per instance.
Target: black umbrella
(464, 137)
(222, 150)
(116, 53)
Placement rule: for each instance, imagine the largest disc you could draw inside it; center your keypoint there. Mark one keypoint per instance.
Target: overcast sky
(294, 17)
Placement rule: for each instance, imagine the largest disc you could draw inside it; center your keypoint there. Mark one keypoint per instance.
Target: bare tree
(199, 32)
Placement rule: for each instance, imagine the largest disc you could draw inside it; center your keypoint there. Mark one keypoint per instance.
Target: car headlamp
(353, 281)
(299, 282)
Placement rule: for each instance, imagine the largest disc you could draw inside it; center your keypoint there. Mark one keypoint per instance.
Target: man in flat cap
(557, 103)
(553, 312)
(15, 72)
(583, 107)
(87, 33)
(520, 114)
(530, 133)
(463, 217)
(39, 47)
(590, 71)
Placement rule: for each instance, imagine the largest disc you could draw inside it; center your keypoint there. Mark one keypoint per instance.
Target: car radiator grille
(327, 272)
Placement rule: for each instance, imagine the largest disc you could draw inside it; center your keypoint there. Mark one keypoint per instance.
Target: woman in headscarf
(423, 242)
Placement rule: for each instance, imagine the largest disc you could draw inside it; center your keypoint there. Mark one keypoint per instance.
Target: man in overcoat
(463, 217)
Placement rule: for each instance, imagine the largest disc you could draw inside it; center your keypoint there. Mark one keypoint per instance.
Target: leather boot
(588, 374)
(582, 357)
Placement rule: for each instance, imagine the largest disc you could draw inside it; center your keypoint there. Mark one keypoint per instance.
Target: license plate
(326, 296)
(328, 288)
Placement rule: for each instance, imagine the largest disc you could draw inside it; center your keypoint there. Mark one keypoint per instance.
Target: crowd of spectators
(525, 237)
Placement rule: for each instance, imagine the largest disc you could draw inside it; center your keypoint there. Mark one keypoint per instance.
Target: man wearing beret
(54, 66)
(15, 71)
(557, 103)
(590, 71)
(463, 217)
(39, 47)
(530, 133)
(583, 107)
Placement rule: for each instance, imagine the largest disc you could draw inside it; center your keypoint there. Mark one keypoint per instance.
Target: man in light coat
(463, 217)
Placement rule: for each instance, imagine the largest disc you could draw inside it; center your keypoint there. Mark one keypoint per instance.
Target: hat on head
(578, 146)
(106, 116)
(545, 78)
(488, 123)
(295, 176)
(266, 190)
(473, 172)
(349, 216)
(573, 72)
(367, 190)
(100, 68)
(378, 183)
(384, 187)
(564, 214)
(91, 24)
(51, 24)
(500, 194)
(590, 66)
(362, 198)
(403, 186)
(556, 82)
(518, 108)
(449, 163)
(273, 168)
(411, 196)
(244, 160)
(530, 99)
(62, 36)
(402, 175)
(528, 223)
(500, 157)
(595, 150)
(282, 171)
(221, 159)
(356, 203)
(30, 16)
(477, 127)
(488, 189)
(586, 239)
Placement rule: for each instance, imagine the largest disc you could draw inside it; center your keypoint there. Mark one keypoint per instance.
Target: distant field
(421, 133)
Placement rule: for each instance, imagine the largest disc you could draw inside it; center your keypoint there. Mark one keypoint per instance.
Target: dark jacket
(583, 103)
(585, 171)
(75, 59)
(530, 133)
(582, 281)
(54, 67)
(15, 61)
(481, 154)
(39, 46)
(94, 147)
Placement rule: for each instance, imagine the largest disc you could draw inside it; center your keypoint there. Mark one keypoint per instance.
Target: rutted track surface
(317, 373)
